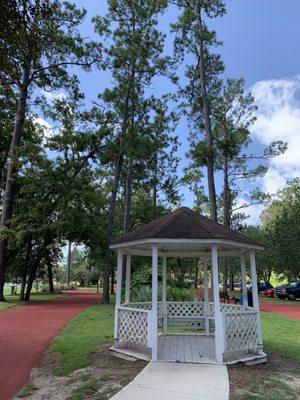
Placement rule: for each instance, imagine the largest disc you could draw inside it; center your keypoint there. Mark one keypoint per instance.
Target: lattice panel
(242, 331)
(133, 327)
(145, 306)
(185, 309)
(195, 325)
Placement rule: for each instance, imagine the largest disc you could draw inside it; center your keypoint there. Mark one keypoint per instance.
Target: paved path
(26, 331)
(178, 381)
(282, 309)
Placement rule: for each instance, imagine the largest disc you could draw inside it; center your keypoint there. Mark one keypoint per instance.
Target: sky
(261, 44)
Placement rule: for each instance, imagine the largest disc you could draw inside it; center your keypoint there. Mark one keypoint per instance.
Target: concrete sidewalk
(178, 381)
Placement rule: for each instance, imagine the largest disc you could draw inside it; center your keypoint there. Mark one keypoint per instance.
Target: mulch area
(25, 333)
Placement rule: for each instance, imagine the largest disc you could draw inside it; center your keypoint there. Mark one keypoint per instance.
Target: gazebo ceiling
(186, 231)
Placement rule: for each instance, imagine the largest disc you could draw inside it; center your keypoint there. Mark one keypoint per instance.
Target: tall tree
(38, 43)
(134, 58)
(195, 38)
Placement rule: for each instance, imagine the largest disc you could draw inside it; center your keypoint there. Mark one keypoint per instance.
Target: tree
(134, 58)
(39, 42)
(281, 225)
(195, 38)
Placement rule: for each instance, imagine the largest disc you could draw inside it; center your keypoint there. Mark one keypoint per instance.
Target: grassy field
(281, 335)
(13, 301)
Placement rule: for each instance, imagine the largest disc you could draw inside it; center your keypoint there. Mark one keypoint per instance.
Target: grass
(80, 338)
(13, 301)
(281, 335)
(279, 379)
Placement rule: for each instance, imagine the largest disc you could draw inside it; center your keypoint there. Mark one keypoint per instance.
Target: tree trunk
(69, 261)
(110, 225)
(231, 281)
(25, 267)
(154, 194)
(196, 276)
(208, 130)
(112, 281)
(227, 219)
(31, 278)
(113, 198)
(50, 276)
(8, 196)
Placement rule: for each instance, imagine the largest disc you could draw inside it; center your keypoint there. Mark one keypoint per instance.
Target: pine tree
(134, 58)
(195, 38)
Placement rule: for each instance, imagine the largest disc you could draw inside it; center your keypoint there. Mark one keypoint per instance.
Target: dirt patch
(278, 379)
(105, 376)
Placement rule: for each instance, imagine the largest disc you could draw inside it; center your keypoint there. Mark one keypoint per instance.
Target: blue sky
(261, 44)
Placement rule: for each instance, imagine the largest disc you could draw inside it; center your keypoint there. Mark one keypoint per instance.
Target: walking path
(282, 309)
(26, 331)
(178, 381)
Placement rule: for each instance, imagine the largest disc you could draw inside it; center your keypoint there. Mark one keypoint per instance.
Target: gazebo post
(255, 296)
(164, 295)
(244, 286)
(118, 294)
(254, 281)
(206, 299)
(219, 329)
(128, 278)
(153, 325)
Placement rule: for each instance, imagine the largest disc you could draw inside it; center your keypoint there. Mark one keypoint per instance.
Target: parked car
(262, 286)
(280, 292)
(293, 291)
(290, 291)
(270, 292)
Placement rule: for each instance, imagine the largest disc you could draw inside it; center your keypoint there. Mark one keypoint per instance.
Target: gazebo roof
(185, 226)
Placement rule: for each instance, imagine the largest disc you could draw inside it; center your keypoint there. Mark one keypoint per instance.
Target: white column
(244, 285)
(206, 298)
(153, 326)
(219, 331)
(254, 281)
(119, 292)
(255, 296)
(164, 295)
(128, 277)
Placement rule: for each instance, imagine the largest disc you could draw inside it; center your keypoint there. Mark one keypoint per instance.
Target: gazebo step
(129, 354)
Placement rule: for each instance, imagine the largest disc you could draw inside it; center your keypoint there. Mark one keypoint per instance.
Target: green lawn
(13, 301)
(81, 336)
(281, 335)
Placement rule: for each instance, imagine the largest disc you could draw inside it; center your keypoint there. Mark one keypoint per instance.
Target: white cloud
(48, 128)
(278, 118)
(53, 95)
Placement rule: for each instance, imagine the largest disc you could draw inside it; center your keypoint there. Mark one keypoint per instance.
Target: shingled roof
(185, 223)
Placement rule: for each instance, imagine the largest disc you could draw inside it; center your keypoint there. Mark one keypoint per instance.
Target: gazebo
(207, 331)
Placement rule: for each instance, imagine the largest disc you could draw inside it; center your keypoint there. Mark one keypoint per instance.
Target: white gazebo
(207, 332)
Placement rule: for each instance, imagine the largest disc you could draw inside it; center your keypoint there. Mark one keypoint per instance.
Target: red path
(283, 309)
(25, 333)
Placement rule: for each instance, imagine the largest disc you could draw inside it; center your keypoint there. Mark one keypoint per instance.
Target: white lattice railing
(242, 330)
(241, 323)
(133, 327)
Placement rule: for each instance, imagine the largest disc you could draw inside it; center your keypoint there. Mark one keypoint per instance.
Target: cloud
(278, 118)
(59, 95)
(48, 128)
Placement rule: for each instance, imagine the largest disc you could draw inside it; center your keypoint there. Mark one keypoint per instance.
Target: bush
(144, 293)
